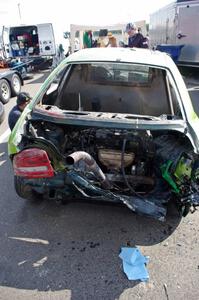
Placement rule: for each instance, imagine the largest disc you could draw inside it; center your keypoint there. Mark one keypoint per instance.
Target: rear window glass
(112, 87)
(115, 74)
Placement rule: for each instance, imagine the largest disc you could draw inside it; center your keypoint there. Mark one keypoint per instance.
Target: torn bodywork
(142, 169)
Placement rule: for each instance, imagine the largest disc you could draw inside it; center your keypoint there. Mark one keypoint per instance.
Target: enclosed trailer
(28, 41)
(177, 24)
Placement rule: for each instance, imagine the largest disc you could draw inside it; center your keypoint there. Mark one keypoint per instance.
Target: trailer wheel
(15, 85)
(5, 91)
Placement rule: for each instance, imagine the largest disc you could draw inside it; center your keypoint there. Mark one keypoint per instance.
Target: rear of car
(111, 125)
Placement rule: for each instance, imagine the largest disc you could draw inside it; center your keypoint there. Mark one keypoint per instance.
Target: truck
(177, 25)
(28, 41)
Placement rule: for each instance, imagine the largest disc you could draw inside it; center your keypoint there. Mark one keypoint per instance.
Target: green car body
(161, 147)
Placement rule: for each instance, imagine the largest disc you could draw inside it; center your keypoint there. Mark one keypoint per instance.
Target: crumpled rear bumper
(75, 185)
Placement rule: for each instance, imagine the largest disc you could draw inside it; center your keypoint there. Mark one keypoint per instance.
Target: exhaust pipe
(77, 156)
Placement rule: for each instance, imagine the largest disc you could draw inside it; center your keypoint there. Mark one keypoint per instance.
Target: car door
(46, 39)
(187, 33)
(6, 42)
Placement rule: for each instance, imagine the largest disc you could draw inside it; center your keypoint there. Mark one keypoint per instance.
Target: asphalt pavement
(54, 251)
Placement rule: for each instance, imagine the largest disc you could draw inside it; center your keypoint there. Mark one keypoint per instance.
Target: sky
(62, 13)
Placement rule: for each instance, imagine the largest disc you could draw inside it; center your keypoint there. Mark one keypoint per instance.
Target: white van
(28, 41)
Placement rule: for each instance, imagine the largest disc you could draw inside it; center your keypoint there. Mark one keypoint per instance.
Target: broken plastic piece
(134, 264)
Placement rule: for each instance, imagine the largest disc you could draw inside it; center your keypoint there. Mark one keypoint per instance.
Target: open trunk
(24, 41)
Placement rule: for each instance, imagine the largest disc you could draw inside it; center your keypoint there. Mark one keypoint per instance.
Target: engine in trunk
(143, 169)
(122, 155)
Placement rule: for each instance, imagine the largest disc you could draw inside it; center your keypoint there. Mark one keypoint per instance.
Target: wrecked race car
(113, 125)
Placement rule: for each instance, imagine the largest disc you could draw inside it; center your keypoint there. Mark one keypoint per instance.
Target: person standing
(22, 100)
(111, 40)
(136, 39)
(87, 39)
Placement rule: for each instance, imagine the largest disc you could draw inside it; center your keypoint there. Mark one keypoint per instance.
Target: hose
(123, 170)
(77, 156)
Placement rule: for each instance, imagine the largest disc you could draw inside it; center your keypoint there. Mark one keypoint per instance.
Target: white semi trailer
(177, 24)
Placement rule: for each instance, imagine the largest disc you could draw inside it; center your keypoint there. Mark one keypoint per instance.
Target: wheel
(15, 85)
(25, 191)
(5, 91)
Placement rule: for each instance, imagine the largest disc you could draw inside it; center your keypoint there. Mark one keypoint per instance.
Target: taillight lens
(32, 163)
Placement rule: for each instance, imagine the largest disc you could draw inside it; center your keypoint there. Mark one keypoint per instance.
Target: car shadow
(74, 248)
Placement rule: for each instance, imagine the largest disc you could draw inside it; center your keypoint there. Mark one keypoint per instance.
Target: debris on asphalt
(134, 263)
(166, 292)
(166, 244)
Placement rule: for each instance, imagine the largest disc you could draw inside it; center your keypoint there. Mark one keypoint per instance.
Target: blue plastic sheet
(134, 264)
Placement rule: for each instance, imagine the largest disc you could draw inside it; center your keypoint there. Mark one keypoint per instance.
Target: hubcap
(16, 84)
(5, 91)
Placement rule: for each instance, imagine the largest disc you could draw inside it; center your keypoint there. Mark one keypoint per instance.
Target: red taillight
(32, 163)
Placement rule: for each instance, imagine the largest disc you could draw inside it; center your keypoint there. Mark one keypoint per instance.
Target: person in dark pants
(135, 39)
(22, 100)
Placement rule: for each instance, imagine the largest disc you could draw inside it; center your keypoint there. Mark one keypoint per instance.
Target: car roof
(131, 55)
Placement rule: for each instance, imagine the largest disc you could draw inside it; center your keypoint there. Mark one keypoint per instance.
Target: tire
(5, 91)
(25, 191)
(15, 85)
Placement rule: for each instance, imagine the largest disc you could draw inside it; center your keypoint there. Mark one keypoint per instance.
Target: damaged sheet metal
(141, 205)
